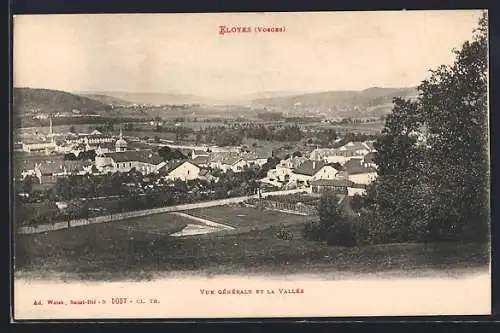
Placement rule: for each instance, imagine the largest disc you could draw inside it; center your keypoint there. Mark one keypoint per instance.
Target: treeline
(235, 133)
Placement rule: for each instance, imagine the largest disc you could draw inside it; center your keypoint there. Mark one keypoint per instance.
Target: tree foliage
(433, 158)
(169, 154)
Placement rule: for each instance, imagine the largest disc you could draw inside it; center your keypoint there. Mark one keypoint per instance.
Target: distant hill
(154, 98)
(170, 98)
(369, 102)
(107, 99)
(29, 100)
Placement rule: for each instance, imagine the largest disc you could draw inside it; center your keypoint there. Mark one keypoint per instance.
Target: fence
(127, 215)
(287, 206)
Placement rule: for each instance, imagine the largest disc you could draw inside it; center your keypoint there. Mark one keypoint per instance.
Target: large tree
(433, 154)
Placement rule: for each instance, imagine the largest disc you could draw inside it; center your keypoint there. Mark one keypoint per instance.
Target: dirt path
(205, 221)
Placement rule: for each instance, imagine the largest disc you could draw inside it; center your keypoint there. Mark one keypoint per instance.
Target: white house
(226, 163)
(182, 170)
(358, 173)
(143, 161)
(340, 155)
(237, 165)
(255, 159)
(311, 171)
(38, 146)
(198, 152)
(283, 170)
(357, 148)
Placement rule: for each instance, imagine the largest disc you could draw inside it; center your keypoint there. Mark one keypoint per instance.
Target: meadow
(141, 249)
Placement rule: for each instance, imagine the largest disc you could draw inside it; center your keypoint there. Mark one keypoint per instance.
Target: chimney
(314, 164)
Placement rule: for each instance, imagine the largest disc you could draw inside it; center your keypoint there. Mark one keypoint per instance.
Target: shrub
(344, 232)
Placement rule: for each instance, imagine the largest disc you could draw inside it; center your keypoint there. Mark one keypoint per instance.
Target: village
(51, 157)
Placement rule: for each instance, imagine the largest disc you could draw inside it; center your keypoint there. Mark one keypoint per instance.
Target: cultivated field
(247, 217)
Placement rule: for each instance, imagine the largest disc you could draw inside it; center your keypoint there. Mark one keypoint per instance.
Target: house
(143, 161)
(37, 145)
(50, 170)
(103, 148)
(226, 161)
(198, 152)
(201, 161)
(340, 155)
(312, 170)
(93, 138)
(25, 164)
(356, 189)
(255, 159)
(78, 167)
(339, 186)
(368, 160)
(181, 170)
(357, 147)
(236, 164)
(358, 173)
(47, 172)
(283, 170)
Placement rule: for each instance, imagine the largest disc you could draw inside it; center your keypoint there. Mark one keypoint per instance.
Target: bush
(343, 233)
(314, 231)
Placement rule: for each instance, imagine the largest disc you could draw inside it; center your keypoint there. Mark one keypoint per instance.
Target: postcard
(251, 165)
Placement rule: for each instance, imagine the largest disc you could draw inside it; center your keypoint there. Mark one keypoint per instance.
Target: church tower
(121, 145)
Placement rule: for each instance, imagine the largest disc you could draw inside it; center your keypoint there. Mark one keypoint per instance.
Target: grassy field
(243, 217)
(125, 250)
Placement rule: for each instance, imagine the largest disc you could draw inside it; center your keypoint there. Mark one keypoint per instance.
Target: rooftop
(356, 145)
(200, 160)
(309, 168)
(174, 164)
(144, 156)
(332, 182)
(354, 166)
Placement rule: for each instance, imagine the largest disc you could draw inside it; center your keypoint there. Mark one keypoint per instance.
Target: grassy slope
(106, 252)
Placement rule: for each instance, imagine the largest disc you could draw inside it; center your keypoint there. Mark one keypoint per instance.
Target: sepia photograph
(251, 165)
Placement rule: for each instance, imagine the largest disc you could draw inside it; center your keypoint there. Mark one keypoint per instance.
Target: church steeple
(121, 144)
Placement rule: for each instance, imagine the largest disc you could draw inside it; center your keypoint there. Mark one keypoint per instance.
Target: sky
(184, 53)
